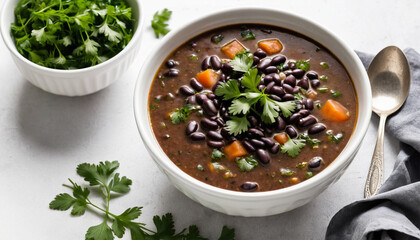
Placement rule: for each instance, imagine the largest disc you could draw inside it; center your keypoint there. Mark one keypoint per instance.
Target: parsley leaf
(228, 90)
(293, 146)
(242, 61)
(303, 64)
(159, 22)
(104, 177)
(217, 154)
(237, 125)
(247, 164)
(181, 114)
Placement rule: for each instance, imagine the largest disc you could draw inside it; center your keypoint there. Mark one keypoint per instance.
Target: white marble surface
(43, 137)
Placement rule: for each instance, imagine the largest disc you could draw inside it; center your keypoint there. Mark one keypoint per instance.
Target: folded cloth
(394, 213)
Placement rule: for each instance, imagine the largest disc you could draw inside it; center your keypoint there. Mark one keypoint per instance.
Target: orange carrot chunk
(207, 78)
(334, 111)
(232, 48)
(235, 150)
(281, 138)
(270, 46)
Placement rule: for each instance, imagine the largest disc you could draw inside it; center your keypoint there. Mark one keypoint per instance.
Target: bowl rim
(170, 168)
(8, 40)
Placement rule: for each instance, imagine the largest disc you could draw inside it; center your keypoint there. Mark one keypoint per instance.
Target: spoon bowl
(389, 74)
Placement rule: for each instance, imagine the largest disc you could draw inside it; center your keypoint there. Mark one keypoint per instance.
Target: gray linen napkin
(394, 213)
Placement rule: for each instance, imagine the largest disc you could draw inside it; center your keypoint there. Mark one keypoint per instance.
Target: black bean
(264, 63)
(193, 44)
(274, 149)
(213, 118)
(222, 77)
(185, 90)
(268, 31)
(255, 60)
(277, 60)
(315, 163)
(215, 144)
(268, 131)
(317, 128)
(309, 103)
(312, 75)
(307, 121)
(276, 78)
(253, 120)
(280, 124)
(267, 141)
(227, 69)
(296, 90)
(191, 100)
(268, 79)
(287, 72)
(292, 65)
(270, 69)
(288, 88)
(208, 124)
(215, 62)
(225, 133)
(260, 53)
(248, 146)
(261, 87)
(291, 131)
(211, 96)
(200, 98)
(206, 63)
(196, 85)
(304, 83)
(263, 156)
(288, 97)
(231, 139)
(290, 80)
(218, 83)
(191, 127)
(315, 83)
(304, 112)
(275, 97)
(277, 90)
(220, 121)
(172, 72)
(286, 67)
(170, 63)
(295, 118)
(249, 186)
(269, 87)
(223, 110)
(257, 143)
(214, 135)
(197, 136)
(255, 132)
(299, 105)
(298, 73)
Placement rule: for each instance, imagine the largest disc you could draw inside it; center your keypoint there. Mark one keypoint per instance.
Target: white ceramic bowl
(256, 203)
(77, 82)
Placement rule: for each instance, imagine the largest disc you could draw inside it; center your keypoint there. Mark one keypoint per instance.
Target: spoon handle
(376, 171)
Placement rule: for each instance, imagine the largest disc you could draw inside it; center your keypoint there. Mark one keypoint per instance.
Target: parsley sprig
(71, 34)
(247, 98)
(104, 178)
(159, 22)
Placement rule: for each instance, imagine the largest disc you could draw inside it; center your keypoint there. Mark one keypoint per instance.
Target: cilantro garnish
(324, 65)
(217, 38)
(303, 64)
(159, 22)
(286, 172)
(242, 61)
(335, 138)
(103, 179)
(335, 94)
(216, 154)
(247, 164)
(71, 34)
(313, 142)
(250, 99)
(181, 114)
(247, 34)
(293, 146)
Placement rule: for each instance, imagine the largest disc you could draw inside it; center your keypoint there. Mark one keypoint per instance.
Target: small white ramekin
(77, 82)
(255, 203)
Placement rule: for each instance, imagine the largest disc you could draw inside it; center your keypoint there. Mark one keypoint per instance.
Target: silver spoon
(389, 74)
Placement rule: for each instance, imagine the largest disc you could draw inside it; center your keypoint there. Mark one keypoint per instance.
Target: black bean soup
(252, 107)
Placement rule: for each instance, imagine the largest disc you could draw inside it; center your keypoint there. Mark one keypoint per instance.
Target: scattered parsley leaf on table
(104, 177)
(159, 22)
